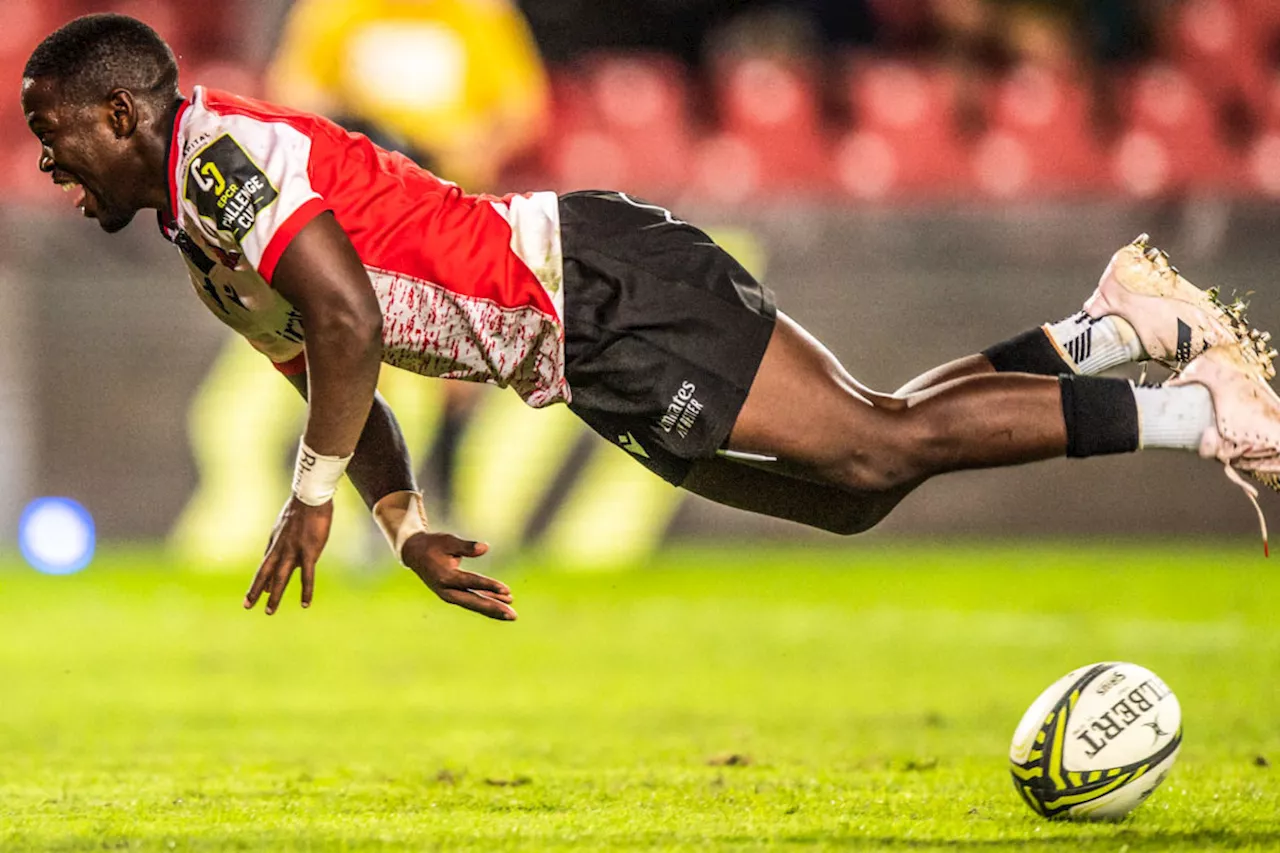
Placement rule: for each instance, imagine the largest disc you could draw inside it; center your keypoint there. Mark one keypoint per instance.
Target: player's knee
(859, 520)
(861, 511)
(876, 470)
(895, 456)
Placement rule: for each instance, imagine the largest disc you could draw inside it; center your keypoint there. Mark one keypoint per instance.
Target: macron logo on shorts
(628, 443)
(682, 412)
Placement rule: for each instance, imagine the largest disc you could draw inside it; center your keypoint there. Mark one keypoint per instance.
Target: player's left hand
(436, 558)
(299, 536)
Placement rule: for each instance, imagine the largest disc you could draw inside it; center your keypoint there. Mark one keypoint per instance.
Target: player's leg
(797, 412)
(987, 410)
(801, 411)
(1221, 406)
(672, 352)
(1141, 309)
(767, 490)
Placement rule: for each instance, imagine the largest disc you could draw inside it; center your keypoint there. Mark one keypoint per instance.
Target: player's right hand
(436, 558)
(299, 536)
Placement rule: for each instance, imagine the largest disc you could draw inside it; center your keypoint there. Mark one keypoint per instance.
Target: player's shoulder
(224, 139)
(214, 110)
(237, 156)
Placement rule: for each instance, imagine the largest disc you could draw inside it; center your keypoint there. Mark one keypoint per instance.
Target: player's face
(83, 151)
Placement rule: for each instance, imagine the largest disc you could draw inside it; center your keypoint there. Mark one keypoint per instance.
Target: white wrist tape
(400, 515)
(315, 476)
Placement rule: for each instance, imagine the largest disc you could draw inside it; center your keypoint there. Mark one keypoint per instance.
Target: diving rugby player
(332, 256)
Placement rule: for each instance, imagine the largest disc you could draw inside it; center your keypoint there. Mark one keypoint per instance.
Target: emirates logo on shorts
(682, 412)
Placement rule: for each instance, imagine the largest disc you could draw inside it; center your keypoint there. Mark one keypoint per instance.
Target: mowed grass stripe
(868, 694)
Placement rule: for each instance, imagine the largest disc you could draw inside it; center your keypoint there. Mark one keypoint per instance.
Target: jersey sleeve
(251, 188)
(292, 367)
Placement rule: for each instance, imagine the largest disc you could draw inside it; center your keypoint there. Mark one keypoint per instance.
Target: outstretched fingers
(495, 589)
(476, 592)
(266, 573)
(308, 580)
(284, 572)
(273, 578)
(480, 602)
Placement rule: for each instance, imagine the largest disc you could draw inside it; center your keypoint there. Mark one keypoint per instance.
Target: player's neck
(156, 159)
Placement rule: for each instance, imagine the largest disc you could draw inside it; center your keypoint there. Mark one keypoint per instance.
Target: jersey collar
(172, 160)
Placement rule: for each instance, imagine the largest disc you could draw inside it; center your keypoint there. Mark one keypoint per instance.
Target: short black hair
(94, 54)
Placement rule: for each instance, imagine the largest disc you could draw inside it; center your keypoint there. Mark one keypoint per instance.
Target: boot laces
(1251, 492)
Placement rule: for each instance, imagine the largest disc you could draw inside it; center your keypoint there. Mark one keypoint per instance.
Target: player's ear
(123, 115)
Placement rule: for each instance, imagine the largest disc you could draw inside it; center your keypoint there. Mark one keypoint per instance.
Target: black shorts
(664, 330)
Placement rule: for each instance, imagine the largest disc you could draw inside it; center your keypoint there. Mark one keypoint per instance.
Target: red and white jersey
(470, 286)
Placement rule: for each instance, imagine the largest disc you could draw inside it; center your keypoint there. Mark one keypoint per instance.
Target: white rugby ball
(1096, 743)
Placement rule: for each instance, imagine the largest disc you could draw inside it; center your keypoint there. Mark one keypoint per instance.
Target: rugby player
(331, 256)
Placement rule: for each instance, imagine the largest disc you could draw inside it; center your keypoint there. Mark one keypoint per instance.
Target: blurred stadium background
(916, 179)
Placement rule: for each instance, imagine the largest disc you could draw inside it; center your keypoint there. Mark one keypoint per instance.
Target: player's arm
(382, 472)
(321, 276)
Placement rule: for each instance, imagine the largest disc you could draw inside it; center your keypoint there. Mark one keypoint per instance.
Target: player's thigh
(760, 490)
(804, 408)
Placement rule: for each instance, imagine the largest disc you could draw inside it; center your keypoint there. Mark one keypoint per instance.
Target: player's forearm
(343, 360)
(381, 464)
(321, 275)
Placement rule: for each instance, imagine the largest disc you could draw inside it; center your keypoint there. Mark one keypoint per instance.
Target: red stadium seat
(769, 115)
(643, 100)
(596, 159)
(1270, 112)
(619, 117)
(1041, 138)
(727, 169)
(766, 97)
(588, 159)
(620, 120)
(639, 92)
(1172, 142)
(906, 141)
(1261, 18)
(771, 106)
(571, 105)
(731, 168)
(1213, 43)
(1263, 164)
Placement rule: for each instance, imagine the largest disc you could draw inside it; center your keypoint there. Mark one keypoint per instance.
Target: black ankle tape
(1030, 352)
(1101, 415)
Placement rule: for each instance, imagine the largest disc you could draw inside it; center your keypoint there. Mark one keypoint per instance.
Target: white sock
(1173, 416)
(1093, 346)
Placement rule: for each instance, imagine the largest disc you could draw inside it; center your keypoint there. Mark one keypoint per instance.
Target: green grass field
(779, 699)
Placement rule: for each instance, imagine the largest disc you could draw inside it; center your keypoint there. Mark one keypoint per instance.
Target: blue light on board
(56, 535)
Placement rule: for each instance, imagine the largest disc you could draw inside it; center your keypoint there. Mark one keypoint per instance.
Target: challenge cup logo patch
(228, 188)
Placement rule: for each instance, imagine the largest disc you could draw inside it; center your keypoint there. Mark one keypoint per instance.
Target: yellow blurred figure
(460, 81)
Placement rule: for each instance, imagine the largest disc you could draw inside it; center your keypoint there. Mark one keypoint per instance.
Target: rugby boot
(1246, 432)
(1175, 320)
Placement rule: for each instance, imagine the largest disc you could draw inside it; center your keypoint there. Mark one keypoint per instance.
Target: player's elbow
(355, 325)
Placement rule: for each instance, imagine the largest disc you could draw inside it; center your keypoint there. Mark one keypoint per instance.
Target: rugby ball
(1096, 743)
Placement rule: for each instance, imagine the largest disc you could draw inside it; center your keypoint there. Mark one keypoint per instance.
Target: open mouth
(70, 184)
